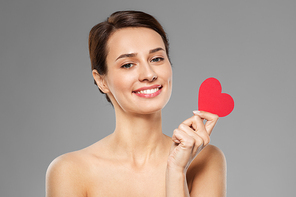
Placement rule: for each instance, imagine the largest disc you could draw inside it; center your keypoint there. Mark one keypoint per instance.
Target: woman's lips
(148, 92)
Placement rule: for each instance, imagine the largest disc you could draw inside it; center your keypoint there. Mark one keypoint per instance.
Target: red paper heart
(211, 99)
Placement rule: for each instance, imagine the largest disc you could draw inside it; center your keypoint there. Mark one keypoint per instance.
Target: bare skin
(93, 173)
(137, 159)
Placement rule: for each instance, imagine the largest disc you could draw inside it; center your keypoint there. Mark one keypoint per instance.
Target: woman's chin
(147, 112)
(143, 105)
(143, 109)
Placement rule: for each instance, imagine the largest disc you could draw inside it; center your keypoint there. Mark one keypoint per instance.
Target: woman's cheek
(168, 74)
(123, 82)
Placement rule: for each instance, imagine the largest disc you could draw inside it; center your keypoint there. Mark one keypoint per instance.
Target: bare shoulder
(70, 173)
(210, 155)
(64, 175)
(207, 173)
(66, 163)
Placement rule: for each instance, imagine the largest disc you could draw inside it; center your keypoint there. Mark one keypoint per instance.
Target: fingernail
(196, 112)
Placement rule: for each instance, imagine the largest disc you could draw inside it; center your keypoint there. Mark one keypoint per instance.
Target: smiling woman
(137, 66)
(130, 64)
(100, 33)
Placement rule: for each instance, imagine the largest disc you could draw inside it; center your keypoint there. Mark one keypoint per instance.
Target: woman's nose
(147, 73)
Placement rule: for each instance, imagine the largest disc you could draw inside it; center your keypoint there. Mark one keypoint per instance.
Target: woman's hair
(100, 34)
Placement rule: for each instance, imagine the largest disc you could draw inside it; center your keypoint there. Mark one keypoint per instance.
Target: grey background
(49, 105)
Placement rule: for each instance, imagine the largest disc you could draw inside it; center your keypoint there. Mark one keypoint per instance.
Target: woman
(131, 66)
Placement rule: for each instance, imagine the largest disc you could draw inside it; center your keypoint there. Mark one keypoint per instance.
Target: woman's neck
(138, 138)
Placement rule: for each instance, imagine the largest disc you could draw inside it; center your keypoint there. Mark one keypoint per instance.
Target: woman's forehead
(133, 40)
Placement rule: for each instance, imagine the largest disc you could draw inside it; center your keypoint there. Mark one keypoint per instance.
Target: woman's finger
(180, 136)
(196, 123)
(199, 141)
(181, 153)
(211, 120)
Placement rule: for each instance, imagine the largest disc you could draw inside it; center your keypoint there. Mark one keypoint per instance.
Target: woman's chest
(122, 182)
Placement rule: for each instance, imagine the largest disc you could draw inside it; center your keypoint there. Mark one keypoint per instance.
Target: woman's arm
(176, 185)
(189, 139)
(63, 178)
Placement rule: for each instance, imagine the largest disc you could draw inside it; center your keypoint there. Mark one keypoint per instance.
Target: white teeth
(150, 91)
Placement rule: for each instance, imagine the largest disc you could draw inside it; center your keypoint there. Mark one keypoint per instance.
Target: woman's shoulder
(69, 163)
(209, 156)
(64, 175)
(66, 161)
(208, 167)
(66, 172)
(212, 153)
(77, 160)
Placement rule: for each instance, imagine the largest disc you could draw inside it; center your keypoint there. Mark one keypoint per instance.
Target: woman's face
(139, 76)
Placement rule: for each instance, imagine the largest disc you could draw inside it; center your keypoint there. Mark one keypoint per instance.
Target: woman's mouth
(148, 92)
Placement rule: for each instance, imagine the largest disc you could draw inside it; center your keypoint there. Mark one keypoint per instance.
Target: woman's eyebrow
(135, 54)
(156, 49)
(126, 55)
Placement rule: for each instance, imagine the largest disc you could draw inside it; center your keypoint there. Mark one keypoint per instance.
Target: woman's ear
(100, 81)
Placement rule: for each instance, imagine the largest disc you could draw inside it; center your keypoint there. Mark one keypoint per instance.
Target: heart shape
(211, 98)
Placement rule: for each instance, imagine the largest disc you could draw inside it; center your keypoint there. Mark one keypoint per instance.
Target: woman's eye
(129, 65)
(158, 59)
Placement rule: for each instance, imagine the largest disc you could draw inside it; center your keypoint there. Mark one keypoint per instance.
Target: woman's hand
(189, 139)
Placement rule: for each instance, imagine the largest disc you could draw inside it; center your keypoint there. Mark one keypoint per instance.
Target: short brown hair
(100, 34)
